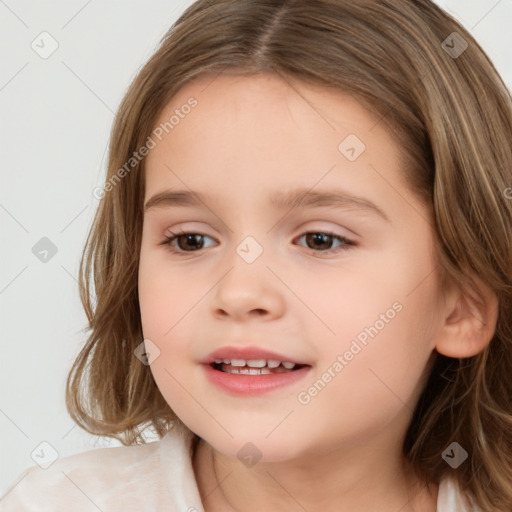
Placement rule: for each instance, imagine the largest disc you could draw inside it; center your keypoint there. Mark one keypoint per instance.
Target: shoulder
(88, 481)
(452, 497)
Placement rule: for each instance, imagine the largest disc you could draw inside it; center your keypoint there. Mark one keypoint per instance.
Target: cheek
(165, 293)
(170, 304)
(377, 337)
(370, 375)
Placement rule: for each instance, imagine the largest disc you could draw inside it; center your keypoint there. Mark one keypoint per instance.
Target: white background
(56, 115)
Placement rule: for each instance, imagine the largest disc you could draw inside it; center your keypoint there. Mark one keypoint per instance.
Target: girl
(302, 264)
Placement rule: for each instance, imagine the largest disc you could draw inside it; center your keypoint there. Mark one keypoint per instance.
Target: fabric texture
(156, 476)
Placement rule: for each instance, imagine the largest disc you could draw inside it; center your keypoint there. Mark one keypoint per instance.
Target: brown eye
(321, 241)
(185, 242)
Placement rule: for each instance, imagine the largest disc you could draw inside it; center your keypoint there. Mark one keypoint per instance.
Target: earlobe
(470, 322)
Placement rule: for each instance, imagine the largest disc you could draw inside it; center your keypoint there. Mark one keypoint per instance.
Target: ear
(470, 321)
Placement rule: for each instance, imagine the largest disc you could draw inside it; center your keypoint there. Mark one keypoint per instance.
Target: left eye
(193, 240)
(325, 238)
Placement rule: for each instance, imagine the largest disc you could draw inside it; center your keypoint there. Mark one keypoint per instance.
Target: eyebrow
(296, 198)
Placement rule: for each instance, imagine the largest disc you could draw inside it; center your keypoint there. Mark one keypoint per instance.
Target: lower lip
(252, 385)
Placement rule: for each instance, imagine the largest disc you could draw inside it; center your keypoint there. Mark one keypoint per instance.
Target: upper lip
(248, 353)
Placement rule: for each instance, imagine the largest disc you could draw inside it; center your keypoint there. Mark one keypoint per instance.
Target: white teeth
(256, 363)
(249, 371)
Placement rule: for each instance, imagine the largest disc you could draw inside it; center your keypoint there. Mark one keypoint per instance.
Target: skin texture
(247, 138)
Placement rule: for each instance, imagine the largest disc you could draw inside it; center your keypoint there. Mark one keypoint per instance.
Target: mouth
(254, 377)
(251, 370)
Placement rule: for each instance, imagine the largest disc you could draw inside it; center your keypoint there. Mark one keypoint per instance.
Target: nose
(248, 291)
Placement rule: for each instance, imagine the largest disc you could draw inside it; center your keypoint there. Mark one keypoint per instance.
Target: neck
(338, 480)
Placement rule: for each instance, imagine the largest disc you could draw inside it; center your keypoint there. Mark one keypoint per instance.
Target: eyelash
(347, 244)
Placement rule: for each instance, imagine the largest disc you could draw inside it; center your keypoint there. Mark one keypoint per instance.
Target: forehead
(230, 95)
(251, 131)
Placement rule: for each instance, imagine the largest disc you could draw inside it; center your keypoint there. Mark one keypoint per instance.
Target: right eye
(183, 239)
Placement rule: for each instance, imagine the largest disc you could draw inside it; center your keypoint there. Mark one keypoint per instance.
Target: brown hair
(452, 115)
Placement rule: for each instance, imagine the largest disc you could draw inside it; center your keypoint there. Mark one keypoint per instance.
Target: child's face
(247, 139)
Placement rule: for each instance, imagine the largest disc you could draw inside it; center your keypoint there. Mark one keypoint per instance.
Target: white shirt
(156, 476)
